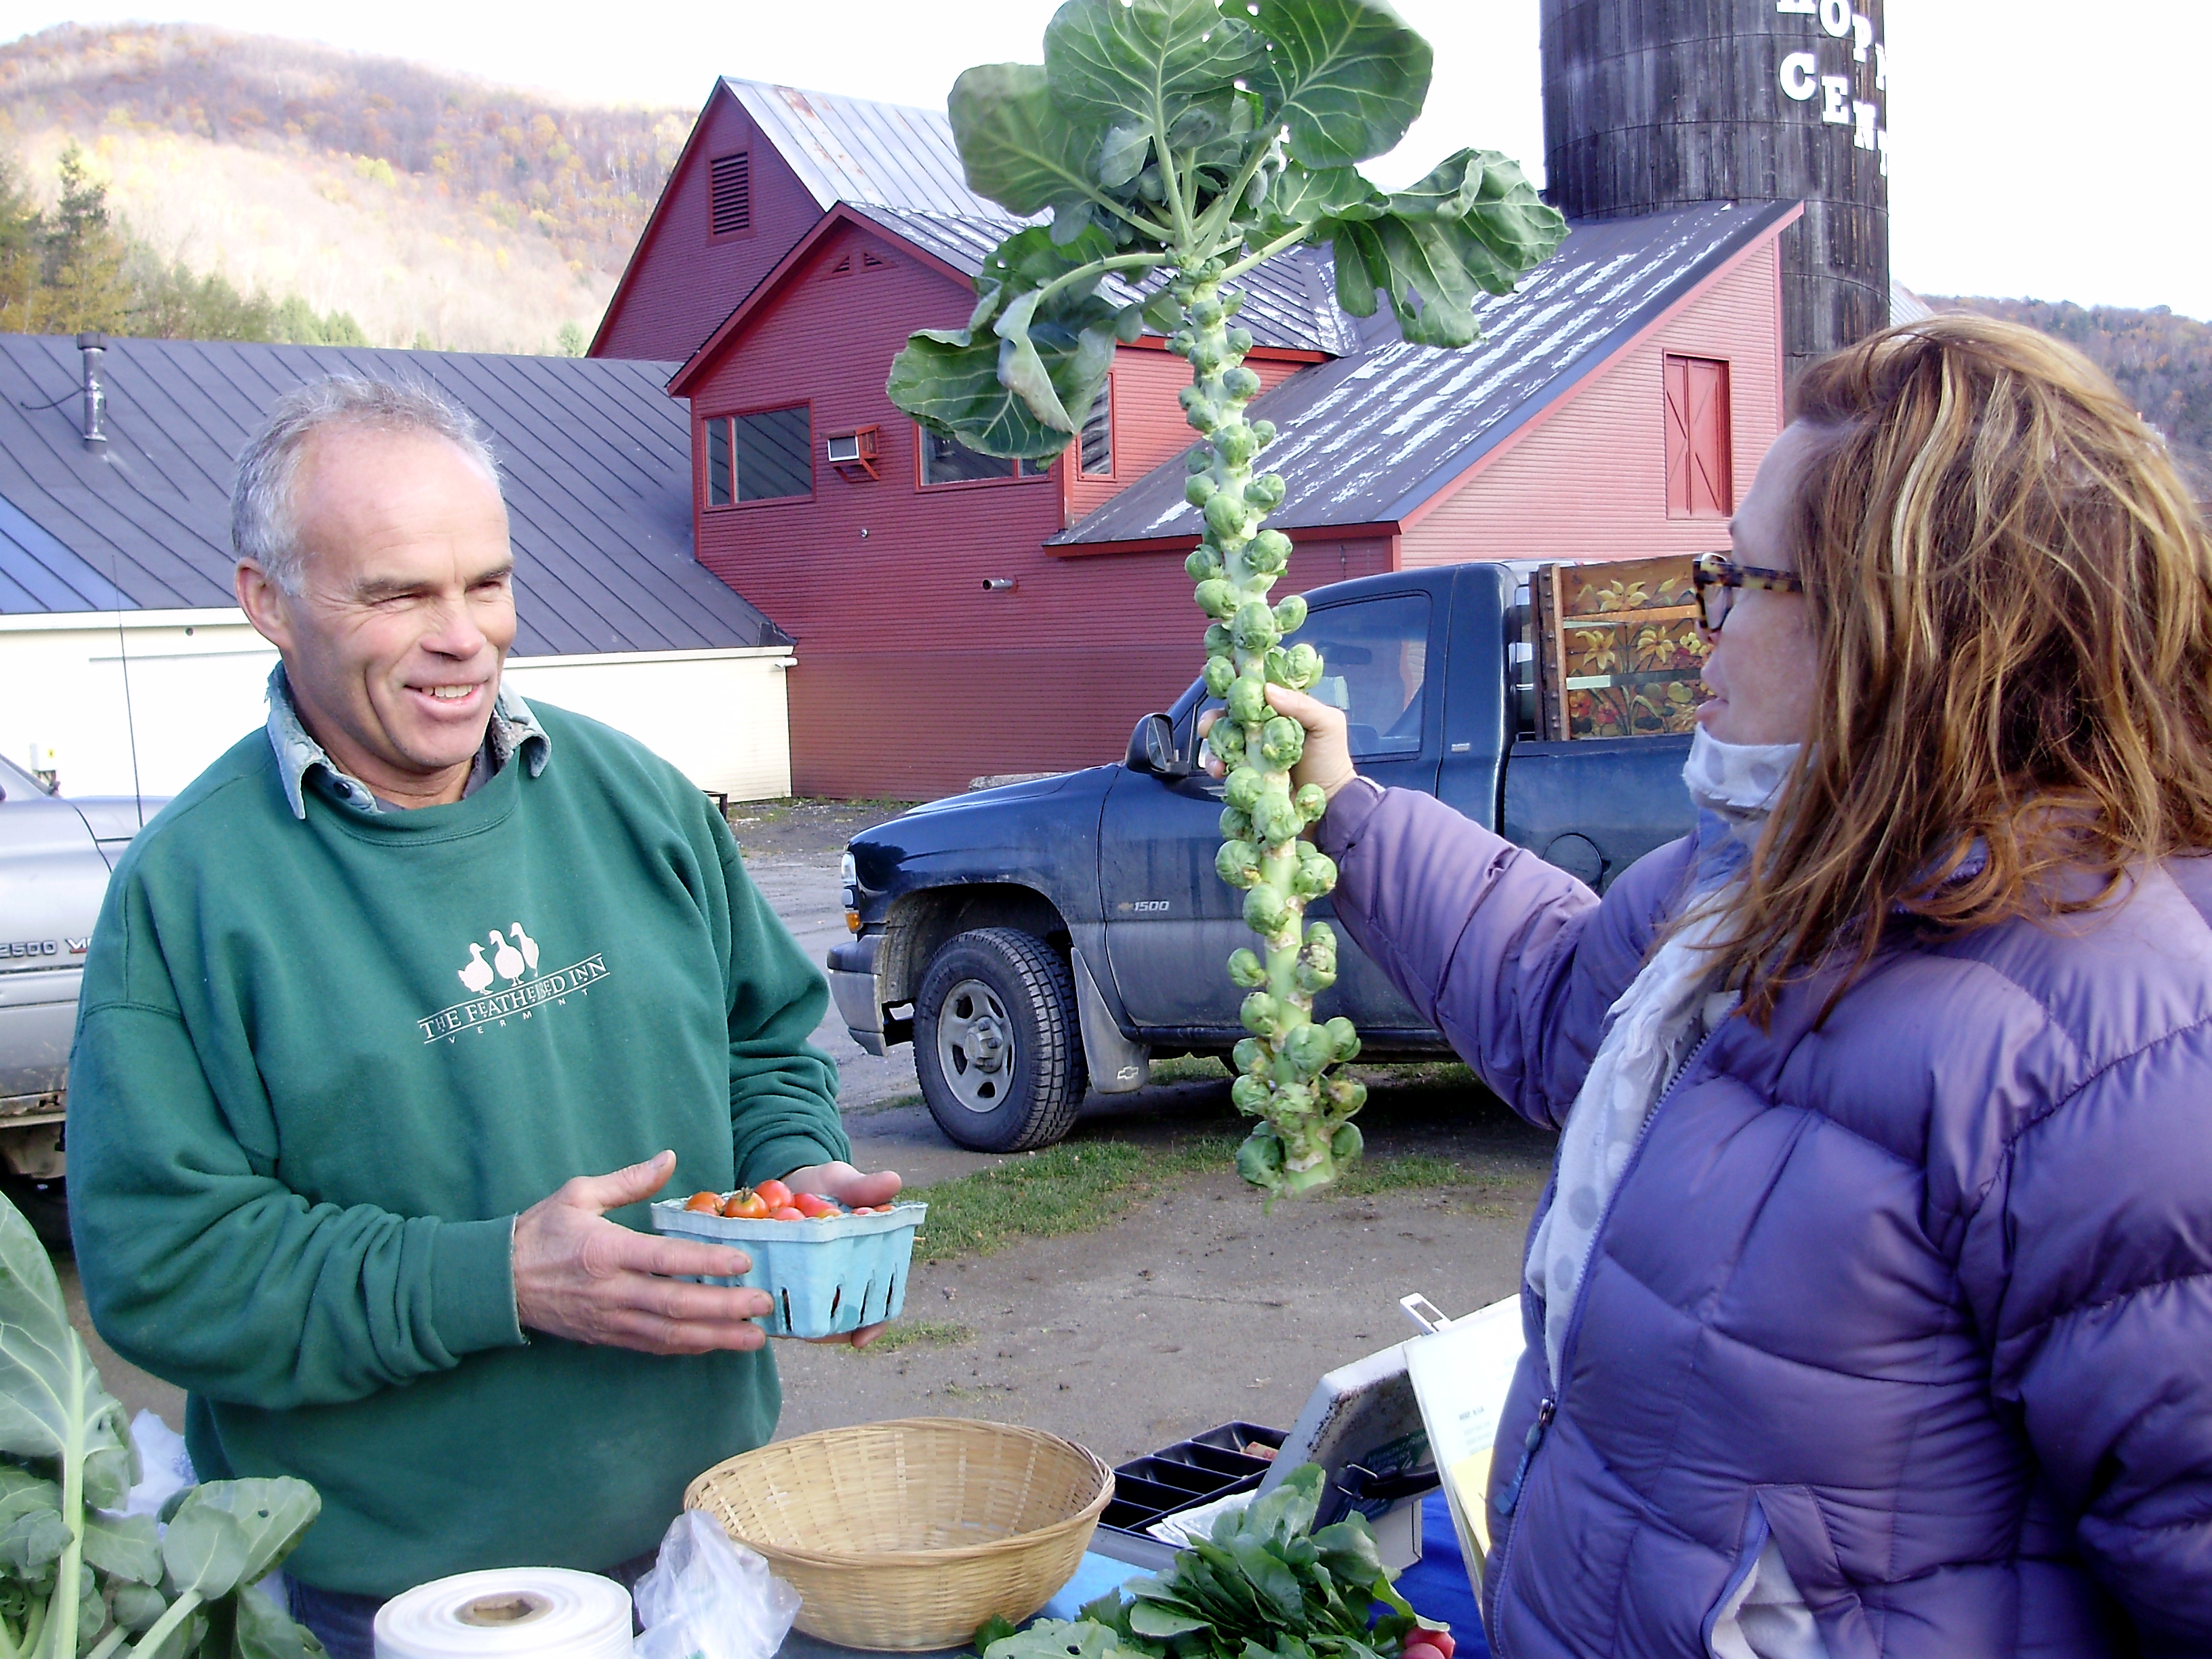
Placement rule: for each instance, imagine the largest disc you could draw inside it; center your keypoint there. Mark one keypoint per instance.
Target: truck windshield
(1375, 659)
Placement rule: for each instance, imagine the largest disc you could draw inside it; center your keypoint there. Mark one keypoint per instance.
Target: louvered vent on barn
(731, 209)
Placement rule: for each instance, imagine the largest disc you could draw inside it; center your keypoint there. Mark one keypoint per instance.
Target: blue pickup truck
(1054, 935)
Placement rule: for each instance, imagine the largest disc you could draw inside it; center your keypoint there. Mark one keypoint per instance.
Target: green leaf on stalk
(1146, 63)
(1314, 197)
(264, 1631)
(1122, 155)
(1016, 148)
(51, 1403)
(1058, 1638)
(232, 1532)
(1346, 76)
(127, 1547)
(1153, 1619)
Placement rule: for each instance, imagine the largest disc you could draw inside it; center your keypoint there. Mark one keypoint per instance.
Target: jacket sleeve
(171, 1215)
(1515, 961)
(783, 1089)
(2090, 1262)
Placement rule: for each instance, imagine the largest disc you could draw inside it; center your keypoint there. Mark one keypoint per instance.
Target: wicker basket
(904, 1536)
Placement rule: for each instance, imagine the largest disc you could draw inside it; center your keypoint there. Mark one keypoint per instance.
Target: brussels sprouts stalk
(1198, 138)
(1305, 1132)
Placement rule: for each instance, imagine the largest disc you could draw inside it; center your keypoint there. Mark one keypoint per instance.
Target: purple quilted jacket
(1924, 1294)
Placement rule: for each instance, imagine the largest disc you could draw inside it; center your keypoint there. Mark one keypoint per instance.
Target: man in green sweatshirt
(371, 1006)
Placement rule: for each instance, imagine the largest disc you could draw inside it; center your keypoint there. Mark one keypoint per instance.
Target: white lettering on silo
(1802, 8)
(1800, 76)
(1836, 17)
(1862, 36)
(1863, 116)
(1836, 99)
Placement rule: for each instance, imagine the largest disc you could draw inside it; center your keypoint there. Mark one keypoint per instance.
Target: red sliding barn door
(1700, 476)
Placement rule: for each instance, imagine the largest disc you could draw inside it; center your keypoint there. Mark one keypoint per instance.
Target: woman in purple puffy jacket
(1870, 1310)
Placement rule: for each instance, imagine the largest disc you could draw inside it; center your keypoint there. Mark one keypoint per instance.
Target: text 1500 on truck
(55, 857)
(1048, 937)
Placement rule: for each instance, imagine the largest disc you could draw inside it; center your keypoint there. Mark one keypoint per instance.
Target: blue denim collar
(512, 727)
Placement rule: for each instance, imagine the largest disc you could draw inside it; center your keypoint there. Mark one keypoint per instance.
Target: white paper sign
(1460, 1376)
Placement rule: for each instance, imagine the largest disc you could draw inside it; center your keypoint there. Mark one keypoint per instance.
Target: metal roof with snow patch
(1368, 438)
(595, 461)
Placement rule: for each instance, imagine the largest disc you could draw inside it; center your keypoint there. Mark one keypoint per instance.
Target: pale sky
(2035, 151)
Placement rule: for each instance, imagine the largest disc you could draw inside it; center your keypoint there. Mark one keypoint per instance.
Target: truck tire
(996, 1046)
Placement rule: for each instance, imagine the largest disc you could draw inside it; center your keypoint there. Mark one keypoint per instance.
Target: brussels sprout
(1347, 1142)
(1275, 821)
(1227, 514)
(1261, 1013)
(1309, 1048)
(1226, 739)
(1251, 1056)
(1260, 1160)
(1246, 784)
(1265, 558)
(1311, 801)
(1240, 382)
(1248, 702)
(1240, 340)
(1346, 1039)
(1320, 936)
(1238, 863)
(1235, 446)
(1203, 564)
(1207, 312)
(1236, 824)
(1283, 741)
(1254, 626)
(1265, 493)
(1265, 911)
(1195, 460)
(1197, 489)
(1312, 978)
(1220, 639)
(1216, 598)
(1314, 878)
(1250, 1096)
(1290, 614)
(1220, 675)
(1347, 1094)
(1301, 666)
(1264, 431)
(1202, 414)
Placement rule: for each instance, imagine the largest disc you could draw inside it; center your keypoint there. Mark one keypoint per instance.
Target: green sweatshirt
(321, 1065)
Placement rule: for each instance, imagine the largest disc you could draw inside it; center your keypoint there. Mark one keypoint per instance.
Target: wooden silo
(1655, 104)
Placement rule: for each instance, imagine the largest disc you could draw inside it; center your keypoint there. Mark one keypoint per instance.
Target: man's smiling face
(394, 644)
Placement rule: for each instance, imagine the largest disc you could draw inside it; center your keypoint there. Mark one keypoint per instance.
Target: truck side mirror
(1153, 749)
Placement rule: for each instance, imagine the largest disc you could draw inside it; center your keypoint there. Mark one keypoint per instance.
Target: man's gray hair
(264, 525)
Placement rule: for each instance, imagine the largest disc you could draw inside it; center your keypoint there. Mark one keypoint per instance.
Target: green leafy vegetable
(75, 1581)
(1181, 143)
(1263, 1586)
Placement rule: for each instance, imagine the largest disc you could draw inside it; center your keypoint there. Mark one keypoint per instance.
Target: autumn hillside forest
(181, 180)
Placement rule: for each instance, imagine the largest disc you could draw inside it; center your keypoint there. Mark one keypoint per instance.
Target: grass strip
(921, 1333)
(1068, 1188)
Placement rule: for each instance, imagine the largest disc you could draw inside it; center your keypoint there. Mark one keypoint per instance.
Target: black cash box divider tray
(1187, 1474)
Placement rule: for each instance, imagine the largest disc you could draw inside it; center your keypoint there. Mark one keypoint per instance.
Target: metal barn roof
(1368, 437)
(901, 168)
(595, 461)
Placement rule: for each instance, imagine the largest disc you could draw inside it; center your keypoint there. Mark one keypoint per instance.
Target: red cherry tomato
(813, 1204)
(786, 1213)
(773, 1194)
(745, 1207)
(705, 1203)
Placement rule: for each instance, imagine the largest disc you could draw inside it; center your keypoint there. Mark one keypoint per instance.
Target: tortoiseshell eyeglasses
(1716, 576)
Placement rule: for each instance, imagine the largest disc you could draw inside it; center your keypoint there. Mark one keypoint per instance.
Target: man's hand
(1328, 757)
(850, 1187)
(579, 1275)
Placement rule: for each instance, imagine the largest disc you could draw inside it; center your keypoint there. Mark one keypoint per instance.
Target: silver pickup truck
(55, 858)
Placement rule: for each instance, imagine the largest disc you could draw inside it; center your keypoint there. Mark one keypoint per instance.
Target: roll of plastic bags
(710, 1598)
(547, 1612)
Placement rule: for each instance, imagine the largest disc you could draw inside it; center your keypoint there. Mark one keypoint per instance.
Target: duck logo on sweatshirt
(522, 989)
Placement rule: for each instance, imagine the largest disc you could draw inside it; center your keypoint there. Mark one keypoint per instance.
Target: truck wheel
(995, 1042)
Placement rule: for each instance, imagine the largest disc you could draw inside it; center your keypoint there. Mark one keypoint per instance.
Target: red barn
(956, 615)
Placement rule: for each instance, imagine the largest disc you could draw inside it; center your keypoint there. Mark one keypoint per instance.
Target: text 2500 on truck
(1043, 938)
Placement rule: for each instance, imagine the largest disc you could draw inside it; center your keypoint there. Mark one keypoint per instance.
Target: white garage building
(125, 666)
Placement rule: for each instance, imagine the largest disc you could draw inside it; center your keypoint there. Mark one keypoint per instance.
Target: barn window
(947, 460)
(1700, 470)
(1098, 435)
(764, 456)
(730, 180)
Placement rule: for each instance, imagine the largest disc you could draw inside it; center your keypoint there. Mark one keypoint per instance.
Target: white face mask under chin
(1738, 782)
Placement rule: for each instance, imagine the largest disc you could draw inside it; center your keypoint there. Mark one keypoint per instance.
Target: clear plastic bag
(709, 1598)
